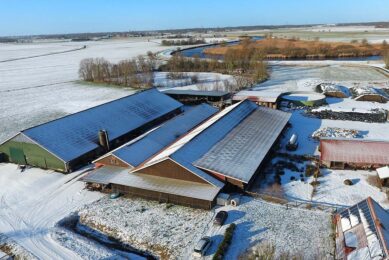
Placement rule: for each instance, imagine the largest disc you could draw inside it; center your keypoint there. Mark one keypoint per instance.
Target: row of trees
(135, 73)
(189, 41)
(245, 64)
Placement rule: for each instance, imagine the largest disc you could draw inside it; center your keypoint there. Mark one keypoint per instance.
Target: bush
(309, 170)
(315, 183)
(223, 246)
(292, 178)
(348, 182)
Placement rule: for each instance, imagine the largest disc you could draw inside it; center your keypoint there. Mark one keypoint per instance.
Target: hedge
(223, 246)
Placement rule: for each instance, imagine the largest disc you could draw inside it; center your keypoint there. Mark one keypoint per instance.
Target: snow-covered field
(32, 202)
(306, 76)
(147, 225)
(36, 90)
(332, 190)
(174, 231)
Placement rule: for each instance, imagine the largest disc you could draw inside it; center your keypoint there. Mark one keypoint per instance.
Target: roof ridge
(193, 129)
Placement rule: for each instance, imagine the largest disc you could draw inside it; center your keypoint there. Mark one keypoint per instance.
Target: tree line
(134, 73)
(190, 41)
(245, 64)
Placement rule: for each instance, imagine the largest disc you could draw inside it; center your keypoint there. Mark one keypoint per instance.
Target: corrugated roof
(137, 152)
(167, 185)
(354, 150)
(169, 150)
(197, 142)
(74, 135)
(190, 92)
(240, 152)
(103, 175)
(258, 95)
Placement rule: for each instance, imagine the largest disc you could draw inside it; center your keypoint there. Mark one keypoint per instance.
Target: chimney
(103, 140)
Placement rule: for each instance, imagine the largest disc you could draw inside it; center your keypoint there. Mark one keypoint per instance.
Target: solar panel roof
(74, 135)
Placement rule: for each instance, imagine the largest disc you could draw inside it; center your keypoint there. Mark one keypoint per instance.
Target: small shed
(383, 175)
(263, 98)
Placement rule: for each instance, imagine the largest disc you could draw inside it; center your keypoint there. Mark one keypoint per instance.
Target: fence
(292, 203)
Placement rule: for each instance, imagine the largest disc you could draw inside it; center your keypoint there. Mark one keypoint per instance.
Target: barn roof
(375, 222)
(74, 135)
(354, 150)
(191, 92)
(240, 152)
(239, 136)
(258, 95)
(134, 153)
(121, 176)
(193, 145)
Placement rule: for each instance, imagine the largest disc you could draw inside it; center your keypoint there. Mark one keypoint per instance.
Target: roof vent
(103, 140)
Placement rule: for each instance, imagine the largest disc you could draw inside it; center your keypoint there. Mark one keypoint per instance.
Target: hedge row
(222, 249)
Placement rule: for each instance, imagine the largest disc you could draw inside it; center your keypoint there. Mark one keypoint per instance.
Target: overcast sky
(26, 17)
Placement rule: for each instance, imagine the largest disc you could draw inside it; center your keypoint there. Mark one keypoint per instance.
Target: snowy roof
(134, 153)
(354, 150)
(74, 135)
(178, 144)
(190, 147)
(166, 185)
(375, 222)
(102, 175)
(383, 172)
(258, 96)
(190, 92)
(239, 153)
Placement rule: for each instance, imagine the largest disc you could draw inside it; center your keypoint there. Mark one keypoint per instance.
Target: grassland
(279, 48)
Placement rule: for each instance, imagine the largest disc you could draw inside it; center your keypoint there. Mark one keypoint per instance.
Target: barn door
(17, 155)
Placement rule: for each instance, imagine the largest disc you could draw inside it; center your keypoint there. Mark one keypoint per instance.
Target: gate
(17, 155)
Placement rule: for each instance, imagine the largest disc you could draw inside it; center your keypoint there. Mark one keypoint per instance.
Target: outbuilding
(355, 153)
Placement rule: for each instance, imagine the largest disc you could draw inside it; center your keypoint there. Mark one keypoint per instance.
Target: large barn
(70, 142)
(340, 153)
(225, 151)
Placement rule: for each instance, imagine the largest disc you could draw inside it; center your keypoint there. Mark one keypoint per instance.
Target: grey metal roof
(137, 152)
(242, 150)
(166, 185)
(205, 140)
(103, 175)
(72, 136)
(195, 92)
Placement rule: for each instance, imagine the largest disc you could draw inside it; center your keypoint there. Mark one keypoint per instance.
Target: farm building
(70, 142)
(264, 98)
(362, 231)
(133, 153)
(224, 151)
(216, 98)
(340, 153)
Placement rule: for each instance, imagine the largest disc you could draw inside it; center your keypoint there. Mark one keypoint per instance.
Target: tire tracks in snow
(34, 227)
(38, 86)
(43, 55)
